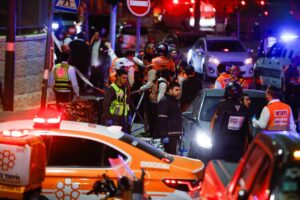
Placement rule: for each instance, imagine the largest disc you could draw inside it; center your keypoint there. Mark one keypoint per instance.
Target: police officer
(64, 81)
(115, 104)
(230, 126)
(169, 118)
(276, 115)
(223, 77)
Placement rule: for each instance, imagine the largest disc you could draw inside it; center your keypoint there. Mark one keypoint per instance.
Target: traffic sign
(66, 5)
(139, 8)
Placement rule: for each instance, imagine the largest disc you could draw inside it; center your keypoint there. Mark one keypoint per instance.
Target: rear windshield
(210, 105)
(131, 30)
(147, 148)
(225, 46)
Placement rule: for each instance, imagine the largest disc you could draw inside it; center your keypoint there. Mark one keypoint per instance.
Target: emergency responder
(64, 81)
(115, 104)
(162, 61)
(169, 118)
(223, 77)
(276, 115)
(235, 73)
(230, 126)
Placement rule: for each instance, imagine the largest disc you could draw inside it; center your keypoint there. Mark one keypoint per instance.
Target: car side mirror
(243, 195)
(189, 116)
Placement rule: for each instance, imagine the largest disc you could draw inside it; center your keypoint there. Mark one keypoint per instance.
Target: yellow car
(78, 154)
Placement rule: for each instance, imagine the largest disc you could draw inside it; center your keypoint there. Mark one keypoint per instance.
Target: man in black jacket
(230, 126)
(169, 118)
(190, 87)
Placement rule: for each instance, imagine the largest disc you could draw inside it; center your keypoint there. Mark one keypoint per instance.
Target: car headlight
(213, 60)
(203, 140)
(248, 61)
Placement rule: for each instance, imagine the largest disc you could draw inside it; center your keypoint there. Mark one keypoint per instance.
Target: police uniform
(116, 107)
(64, 82)
(230, 131)
(276, 116)
(222, 80)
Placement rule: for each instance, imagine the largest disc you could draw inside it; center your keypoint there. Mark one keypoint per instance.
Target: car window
(210, 105)
(131, 30)
(275, 51)
(64, 151)
(291, 53)
(225, 46)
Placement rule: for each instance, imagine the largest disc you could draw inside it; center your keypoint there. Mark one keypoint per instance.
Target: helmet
(233, 90)
(162, 49)
(124, 63)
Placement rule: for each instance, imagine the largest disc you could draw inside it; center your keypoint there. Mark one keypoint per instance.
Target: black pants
(171, 147)
(99, 76)
(62, 97)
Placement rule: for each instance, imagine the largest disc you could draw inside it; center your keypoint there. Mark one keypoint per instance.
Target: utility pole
(197, 14)
(47, 56)
(138, 35)
(8, 100)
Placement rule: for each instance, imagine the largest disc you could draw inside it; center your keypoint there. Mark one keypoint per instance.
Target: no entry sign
(139, 8)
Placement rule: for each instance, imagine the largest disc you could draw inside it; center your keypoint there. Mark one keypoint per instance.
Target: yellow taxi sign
(297, 155)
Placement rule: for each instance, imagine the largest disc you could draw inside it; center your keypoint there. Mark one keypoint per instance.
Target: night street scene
(150, 99)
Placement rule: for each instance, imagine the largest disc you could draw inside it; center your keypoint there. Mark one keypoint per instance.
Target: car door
(198, 55)
(74, 164)
(254, 177)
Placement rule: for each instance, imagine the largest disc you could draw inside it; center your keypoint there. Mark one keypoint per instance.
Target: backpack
(154, 90)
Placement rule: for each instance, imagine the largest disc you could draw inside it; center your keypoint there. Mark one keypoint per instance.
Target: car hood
(229, 56)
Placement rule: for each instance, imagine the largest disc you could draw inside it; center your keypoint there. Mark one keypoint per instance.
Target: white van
(269, 70)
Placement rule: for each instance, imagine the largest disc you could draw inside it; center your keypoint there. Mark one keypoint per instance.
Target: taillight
(183, 184)
(46, 119)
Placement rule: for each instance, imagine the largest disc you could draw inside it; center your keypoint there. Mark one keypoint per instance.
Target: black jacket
(80, 55)
(230, 130)
(190, 87)
(169, 116)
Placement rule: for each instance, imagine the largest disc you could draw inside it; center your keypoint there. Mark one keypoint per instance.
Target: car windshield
(225, 46)
(275, 51)
(210, 105)
(147, 148)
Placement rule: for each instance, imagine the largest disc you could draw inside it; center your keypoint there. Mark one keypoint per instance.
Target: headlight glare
(248, 61)
(203, 140)
(214, 60)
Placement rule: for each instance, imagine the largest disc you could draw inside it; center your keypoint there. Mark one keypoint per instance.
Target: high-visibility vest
(61, 77)
(119, 107)
(224, 78)
(163, 62)
(279, 116)
(240, 80)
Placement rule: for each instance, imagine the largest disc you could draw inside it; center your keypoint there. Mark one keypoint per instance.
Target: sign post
(138, 8)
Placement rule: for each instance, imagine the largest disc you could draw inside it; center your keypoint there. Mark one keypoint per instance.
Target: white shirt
(265, 117)
(95, 53)
(218, 85)
(162, 88)
(151, 78)
(72, 79)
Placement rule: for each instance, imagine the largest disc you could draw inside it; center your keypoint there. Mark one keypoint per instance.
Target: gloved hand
(165, 140)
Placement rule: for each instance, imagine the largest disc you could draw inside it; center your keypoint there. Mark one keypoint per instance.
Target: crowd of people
(167, 86)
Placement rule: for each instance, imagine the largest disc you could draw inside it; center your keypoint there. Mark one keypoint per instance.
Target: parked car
(208, 52)
(270, 169)
(196, 121)
(269, 69)
(78, 155)
(127, 36)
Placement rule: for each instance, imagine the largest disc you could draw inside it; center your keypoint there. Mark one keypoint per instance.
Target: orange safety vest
(279, 116)
(224, 78)
(240, 80)
(163, 62)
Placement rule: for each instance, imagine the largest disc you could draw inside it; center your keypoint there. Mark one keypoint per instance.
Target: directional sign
(66, 5)
(139, 8)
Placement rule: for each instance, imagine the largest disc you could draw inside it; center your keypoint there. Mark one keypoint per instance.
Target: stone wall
(29, 64)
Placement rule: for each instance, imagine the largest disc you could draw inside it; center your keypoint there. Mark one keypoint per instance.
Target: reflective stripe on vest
(279, 116)
(224, 78)
(119, 107)
(61, 77)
